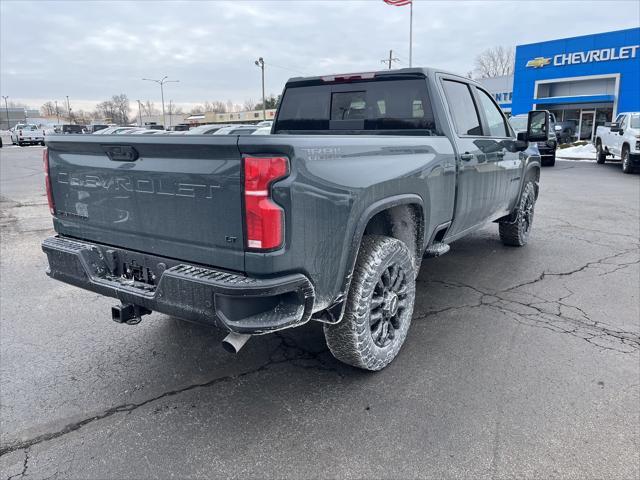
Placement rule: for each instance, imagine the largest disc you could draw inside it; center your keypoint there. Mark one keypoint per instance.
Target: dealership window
(463, 110)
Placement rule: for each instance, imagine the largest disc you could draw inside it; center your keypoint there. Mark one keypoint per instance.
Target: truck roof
(346, 77)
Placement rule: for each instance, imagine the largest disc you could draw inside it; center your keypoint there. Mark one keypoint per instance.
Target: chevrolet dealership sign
(602, 55)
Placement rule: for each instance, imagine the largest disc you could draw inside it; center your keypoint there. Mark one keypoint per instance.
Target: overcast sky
(92, 50)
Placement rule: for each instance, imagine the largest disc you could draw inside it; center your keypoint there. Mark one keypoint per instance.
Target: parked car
(153, 126)
(27, 133)
(205, 129)
(237, 130)
(620, 139)
(547, 147)
(262, 131)
(183, 127)
(144, 131)
(265, 123)
(565, 131)
(96, 127)
(118, 130)
(328, 219)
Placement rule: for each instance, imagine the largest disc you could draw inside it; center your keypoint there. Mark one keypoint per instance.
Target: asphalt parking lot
(519, 363)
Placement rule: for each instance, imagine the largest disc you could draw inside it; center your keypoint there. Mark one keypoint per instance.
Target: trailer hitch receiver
(130, 314)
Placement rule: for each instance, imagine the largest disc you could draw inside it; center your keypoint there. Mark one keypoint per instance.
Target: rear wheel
(626, 161)
(379, 305)
(516, 233)
(600, 155)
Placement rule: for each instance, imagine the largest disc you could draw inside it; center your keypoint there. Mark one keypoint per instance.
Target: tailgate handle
(121, 153)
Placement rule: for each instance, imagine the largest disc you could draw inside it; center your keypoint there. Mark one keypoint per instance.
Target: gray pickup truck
(327, 219)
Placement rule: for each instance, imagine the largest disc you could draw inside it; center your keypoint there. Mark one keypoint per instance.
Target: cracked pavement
(519, 363)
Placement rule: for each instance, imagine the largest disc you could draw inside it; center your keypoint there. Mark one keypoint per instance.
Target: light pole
(57, 111)
(161, 82)
(69, 109)
(260, 64)
(139, 113)
(6, 108)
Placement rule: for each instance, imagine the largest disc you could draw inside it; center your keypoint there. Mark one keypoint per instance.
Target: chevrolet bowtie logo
(538, 62)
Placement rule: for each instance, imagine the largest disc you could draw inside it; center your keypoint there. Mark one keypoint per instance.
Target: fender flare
(336, 309)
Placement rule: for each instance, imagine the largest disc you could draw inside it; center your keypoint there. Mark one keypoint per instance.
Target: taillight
(264, 219)
(47, 180)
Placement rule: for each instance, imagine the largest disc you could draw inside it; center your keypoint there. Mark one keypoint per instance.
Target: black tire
(626, 161)
(379, 305)
(600, 155)
(516, 233)
(20, 144)
(42, 143)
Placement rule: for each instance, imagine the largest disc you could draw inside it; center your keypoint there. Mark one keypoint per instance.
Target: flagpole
(410, 31)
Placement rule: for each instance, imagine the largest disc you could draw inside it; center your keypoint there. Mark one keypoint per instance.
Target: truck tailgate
(173, 196)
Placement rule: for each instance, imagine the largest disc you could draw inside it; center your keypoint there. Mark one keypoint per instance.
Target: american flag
(397, 3)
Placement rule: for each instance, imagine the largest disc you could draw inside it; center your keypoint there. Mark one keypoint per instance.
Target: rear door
(479, 174)
(173, 196)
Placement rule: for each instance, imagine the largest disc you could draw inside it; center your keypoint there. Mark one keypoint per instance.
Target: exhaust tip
(233, 342)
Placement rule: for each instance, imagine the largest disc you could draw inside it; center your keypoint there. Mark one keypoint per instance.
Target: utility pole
(139, 113)
(161, 82)
(391, 59)
(6, 108)
(69, 109)
(57, 111)
(260, 63)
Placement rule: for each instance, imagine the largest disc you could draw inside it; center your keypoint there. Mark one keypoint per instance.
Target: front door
(587, 119)
(482, 184)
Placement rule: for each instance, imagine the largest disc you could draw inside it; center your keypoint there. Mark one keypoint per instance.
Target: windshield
(29, 128)
(518, 123)
(635, 121)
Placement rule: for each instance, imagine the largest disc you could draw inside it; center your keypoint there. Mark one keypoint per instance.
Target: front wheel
(626, 161)
(516, 233)
(600, 155)
(379, 305)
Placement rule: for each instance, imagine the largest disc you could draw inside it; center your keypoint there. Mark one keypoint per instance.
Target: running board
(436, 250)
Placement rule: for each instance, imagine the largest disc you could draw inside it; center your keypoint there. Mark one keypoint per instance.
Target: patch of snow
(579, 152)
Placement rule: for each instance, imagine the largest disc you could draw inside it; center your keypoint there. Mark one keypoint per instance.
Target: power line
(286, 68)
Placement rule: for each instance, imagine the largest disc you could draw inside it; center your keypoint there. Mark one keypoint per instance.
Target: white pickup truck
(621, 139)
(29, 133)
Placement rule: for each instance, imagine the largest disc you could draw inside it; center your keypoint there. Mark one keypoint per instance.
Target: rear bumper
(200, 294)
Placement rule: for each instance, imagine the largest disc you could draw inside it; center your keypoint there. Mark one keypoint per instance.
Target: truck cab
(620, 139)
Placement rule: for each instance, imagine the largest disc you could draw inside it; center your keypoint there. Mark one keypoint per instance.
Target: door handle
(466, 156)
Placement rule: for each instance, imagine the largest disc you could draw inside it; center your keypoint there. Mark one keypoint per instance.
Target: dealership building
(587, 80)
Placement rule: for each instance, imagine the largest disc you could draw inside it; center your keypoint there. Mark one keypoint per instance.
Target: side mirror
(538, 126)
(615, 127)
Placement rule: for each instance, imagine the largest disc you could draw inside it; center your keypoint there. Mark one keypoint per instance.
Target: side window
(623, 121)
(619, 119)
(492, 113)
(463, 110)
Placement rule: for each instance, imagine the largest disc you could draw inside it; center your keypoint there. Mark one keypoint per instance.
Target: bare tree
(218, 107)
(495, 62)
(249, 105)
(116, 109)
(48, 109)
(197, 109)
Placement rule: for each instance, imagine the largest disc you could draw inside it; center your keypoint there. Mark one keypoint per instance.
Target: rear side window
(380, 106)
(495, 119)
(463, 110)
